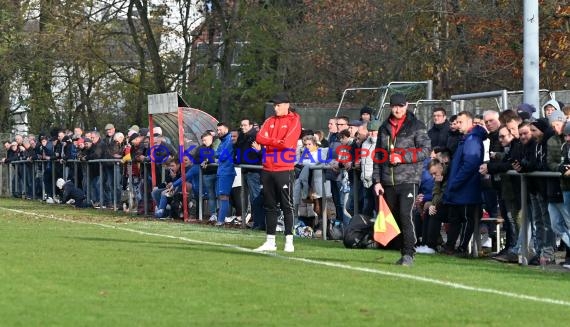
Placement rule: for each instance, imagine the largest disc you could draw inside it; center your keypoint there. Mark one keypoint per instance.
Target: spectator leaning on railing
(248, 152)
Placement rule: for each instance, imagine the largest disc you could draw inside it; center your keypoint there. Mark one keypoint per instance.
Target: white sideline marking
(316, 262)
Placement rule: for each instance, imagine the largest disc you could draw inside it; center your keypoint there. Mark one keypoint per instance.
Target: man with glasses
(439, 132)
(404, 138)
(333, 174)
(248, 152)
(110, 184)
(509, 189)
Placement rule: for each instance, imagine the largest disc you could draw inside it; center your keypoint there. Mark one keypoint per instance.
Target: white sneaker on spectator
(424, 249)
(266, 247)
(486, 242)
(213, 218)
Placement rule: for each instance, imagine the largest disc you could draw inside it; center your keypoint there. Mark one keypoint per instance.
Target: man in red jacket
(279, 135)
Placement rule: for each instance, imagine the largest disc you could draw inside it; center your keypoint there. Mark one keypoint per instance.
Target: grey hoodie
(553, 103)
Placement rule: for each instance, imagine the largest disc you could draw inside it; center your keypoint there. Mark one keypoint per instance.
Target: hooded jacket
(427, 182)
(225, 156)
(553, 103)
(279, 135)
(535, 160)
(565, 156)
(464, 181)
(411, 142)
(554, 159)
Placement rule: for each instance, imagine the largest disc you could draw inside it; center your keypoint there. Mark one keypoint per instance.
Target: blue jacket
(464, 180)
(426, 183)
(225, 156)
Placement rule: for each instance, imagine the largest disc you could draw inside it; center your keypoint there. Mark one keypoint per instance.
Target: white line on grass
(316, 262)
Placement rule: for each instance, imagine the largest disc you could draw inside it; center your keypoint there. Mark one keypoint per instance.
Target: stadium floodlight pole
(531, 57)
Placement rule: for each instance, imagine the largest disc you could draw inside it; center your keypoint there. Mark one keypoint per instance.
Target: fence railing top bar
(536, 173)
(469, 96)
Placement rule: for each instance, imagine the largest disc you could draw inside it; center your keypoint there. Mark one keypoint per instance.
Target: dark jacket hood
(479, 131)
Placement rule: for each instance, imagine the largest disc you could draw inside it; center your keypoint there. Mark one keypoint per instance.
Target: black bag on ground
(359, 233)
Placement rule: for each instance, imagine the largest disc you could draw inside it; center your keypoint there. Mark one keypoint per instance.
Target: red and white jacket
(279, 135)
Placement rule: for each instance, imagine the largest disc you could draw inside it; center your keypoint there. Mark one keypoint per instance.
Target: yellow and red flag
(385, 227)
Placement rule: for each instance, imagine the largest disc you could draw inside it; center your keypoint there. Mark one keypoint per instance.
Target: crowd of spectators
(511, 140)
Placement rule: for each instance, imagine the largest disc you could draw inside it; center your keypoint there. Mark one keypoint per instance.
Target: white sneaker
(424, 249)
(265, 247)
(486, 242)
(289, 247)
(213, 218)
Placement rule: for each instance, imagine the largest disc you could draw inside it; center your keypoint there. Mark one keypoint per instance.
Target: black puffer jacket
(412, 142)
(439, 134)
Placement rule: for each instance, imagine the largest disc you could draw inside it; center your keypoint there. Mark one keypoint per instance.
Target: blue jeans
(253, 180)
(210, 188)
(195, 179)
(95, 187)
(544, 236)
(338, 198)
(156, 195)
(111, 184)
(560, 220)
(369, 201)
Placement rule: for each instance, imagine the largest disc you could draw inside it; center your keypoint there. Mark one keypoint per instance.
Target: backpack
(359, 233)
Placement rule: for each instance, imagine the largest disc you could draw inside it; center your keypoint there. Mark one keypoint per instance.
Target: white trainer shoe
(289, 247)
(486, 242)
(266, 247)
(424, 249)
(213, 218)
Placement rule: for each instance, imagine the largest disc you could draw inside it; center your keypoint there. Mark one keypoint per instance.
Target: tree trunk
(152, 47)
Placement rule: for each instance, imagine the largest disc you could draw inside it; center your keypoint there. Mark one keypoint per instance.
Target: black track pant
(400, 198)
(461, 223)
(278, 190)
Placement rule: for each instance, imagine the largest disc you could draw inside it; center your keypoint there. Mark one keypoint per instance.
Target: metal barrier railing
(524, 204)
(81, 172)
(243, 199)
(22, 182)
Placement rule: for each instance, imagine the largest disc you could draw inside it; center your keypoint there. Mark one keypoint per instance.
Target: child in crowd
(436, 210)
